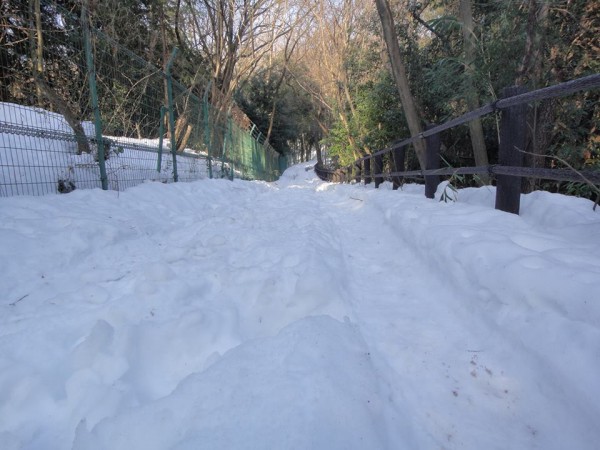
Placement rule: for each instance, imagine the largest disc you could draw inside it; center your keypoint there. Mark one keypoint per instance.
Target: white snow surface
(32, 164)
(298, 315)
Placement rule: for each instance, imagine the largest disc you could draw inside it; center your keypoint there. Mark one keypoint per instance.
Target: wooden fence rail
(509, 171)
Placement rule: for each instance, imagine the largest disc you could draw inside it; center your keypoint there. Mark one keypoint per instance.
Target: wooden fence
(513, 106)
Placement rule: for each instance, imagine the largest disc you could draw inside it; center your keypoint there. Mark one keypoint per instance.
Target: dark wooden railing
(508, 172)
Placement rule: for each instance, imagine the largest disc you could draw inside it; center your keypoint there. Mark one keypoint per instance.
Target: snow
(298, 314)
(38, 148)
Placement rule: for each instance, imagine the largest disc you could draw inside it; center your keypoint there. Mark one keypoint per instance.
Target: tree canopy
(316, 74)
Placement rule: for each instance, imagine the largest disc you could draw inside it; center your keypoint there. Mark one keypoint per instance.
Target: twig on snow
(17, 301)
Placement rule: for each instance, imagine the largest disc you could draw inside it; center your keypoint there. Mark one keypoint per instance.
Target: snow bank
(38, 148)
(297, 314)
(310, 386)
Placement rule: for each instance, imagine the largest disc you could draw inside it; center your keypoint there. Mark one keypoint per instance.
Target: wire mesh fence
(79, 110)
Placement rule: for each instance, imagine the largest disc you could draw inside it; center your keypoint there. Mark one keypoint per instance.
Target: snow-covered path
(297, 314)
(406, 322)
(436, 347)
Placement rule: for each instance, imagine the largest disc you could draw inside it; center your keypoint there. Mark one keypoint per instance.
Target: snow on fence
(509, 171)
(92, 114)
(38, 156)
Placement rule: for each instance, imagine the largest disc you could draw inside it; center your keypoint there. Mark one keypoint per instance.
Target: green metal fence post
(207, 140)
(231, 164)
(223, 158)
(172, 111)
(282, 164)
(161, 132)
(89, 57)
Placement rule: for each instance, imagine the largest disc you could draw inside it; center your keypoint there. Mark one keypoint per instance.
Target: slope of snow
(298, 314)
(38, 148)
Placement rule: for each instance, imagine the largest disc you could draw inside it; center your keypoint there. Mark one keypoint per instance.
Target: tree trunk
(165, 57)
(531, 70)
(63, 108)
(302, 149)
(471, 96)
(319, 154)
(317, 144)
(43, 89)
(399, 71)
(183, 130)
(274, 107)
(37, 51)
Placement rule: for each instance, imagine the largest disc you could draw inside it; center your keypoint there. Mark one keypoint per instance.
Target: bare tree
(294, 23)
(232, 36)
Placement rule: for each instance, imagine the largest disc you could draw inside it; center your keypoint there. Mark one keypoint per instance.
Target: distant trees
(274, 97)
(338, 40)
(229, 36)
(350, 76)
(458, 54)
(49, 69)
(275, 104)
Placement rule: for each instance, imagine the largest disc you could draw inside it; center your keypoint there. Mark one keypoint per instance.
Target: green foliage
(379, 108)
(572, 44)
(455, 182)
(567, 50)
(376, 120)
(375, 117)
(338, 145)
(576, 141)
(265, 93)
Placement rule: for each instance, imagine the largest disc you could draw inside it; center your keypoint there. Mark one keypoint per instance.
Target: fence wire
(45, 98)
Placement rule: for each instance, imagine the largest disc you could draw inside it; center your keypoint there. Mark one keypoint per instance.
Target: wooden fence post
(358, 169)
(398, 157)
(377, 170)
(513, 137)
(367, 170)
(432, 154)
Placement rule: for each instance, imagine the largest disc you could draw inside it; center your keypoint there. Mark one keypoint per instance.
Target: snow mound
(310, 386)
(299, 175)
